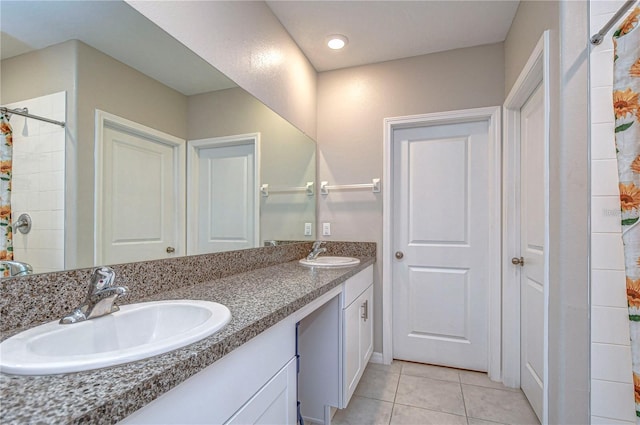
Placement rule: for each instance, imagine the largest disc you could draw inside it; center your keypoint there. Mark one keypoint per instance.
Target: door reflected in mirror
(161, 155)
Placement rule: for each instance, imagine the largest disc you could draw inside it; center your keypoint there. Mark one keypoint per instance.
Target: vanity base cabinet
(335, 344)
(257, 383)
(257, 371)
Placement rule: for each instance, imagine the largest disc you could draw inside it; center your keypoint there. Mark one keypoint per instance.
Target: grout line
(487, 420)
(395, 394)
(433, 379)
(464, 404)
(506, 389)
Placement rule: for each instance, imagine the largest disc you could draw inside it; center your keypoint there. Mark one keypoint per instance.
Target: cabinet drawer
(356, 285)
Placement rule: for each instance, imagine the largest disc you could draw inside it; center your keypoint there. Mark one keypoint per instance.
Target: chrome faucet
(101, 295)
(17, 268)
(316, 250)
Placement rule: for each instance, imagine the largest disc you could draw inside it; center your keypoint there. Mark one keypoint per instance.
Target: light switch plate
(326, 229)
(307, 229)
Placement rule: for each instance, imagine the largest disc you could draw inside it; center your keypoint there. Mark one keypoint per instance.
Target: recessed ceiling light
(337, 41)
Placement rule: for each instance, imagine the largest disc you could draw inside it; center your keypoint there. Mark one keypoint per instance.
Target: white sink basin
(135, 332)
(329, 261)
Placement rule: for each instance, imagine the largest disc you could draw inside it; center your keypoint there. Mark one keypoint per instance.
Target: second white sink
(135, 332)
(328, 261)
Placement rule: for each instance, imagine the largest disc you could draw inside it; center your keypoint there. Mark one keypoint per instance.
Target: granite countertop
(257, 299)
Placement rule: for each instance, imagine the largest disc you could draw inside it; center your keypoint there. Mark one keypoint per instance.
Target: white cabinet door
(358, 341)
(351, 361)
(366, 327)
(275, 403)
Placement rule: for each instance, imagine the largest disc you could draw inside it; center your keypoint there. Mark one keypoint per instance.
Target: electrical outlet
(326, 229)
(307, 229)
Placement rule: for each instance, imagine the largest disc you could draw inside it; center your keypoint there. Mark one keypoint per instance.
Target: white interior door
(441, 204)
(532, 248)
(140, 199)
(223, 196)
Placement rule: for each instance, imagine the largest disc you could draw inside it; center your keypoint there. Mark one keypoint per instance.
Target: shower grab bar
(265, 189)
(374, 185)
(597, 38)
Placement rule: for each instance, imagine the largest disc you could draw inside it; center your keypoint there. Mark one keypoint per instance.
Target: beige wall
(532, 18)
(40, 73)
(287, 156)
(245, 41)
(352, 104)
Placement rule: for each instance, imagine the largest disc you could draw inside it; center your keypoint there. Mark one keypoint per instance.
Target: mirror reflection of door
(139, 193)
(171, 89)
(223, 194)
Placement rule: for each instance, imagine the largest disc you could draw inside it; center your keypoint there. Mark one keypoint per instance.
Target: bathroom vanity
(245, 373)
(256, 383)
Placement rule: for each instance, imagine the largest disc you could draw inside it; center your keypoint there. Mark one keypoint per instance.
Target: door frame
(103, 119)
(492, 116)
(534, 73)
(192, 180)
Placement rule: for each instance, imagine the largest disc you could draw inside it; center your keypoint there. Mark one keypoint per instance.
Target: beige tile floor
(417, 394)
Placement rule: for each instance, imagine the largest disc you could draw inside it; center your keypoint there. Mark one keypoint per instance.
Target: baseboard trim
(376, 358)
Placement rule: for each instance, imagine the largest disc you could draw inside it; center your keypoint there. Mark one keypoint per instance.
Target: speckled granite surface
(36, 299)
(257, 299)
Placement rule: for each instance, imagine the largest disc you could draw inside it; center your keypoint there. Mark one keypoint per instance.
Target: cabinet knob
(399, 255)
(170, 250)
(517, 261)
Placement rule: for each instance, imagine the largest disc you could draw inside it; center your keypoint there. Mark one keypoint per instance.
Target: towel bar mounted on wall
(265, 189)
(374, 185)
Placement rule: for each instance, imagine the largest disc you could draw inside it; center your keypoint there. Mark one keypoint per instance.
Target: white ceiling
(385, 30)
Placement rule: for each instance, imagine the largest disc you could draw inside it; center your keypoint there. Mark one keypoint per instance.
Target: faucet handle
(102, 278)
(317, 244)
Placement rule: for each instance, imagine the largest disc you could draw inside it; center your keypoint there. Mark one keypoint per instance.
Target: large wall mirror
(161, 155)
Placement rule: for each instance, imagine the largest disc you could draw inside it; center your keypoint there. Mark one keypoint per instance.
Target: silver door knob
(399, 255)
(515, 261)
(170, 250)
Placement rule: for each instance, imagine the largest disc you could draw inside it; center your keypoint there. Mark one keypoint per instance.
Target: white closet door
(225, 198)
(442, 221)
(532, 249)
(141, 198)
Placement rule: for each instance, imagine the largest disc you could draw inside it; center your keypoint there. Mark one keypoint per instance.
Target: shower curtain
(626, 87)
(6, 233)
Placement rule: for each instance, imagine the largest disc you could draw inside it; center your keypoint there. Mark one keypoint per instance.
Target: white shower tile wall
(38, 182)
(612, 397)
